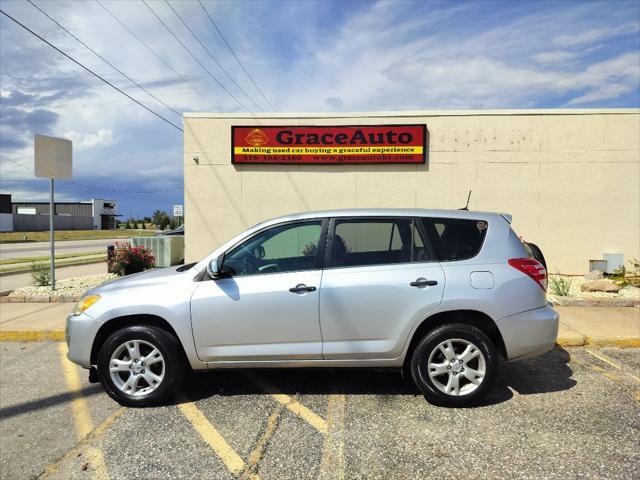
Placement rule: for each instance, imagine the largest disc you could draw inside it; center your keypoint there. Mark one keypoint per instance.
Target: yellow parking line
(31, 335)
(332, 463)
(294, 406)
(601, 356)
(79, 407)
(209, 434)
(81, 414)
(80, 448)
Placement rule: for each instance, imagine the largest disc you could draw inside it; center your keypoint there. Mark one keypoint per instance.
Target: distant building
(97, 214)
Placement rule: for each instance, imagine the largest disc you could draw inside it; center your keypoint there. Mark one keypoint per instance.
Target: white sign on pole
(177, 211)
(52, 157)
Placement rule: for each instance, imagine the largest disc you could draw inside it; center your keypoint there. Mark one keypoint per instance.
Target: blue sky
(305, 56)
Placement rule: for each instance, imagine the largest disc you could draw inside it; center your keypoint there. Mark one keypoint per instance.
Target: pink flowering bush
(127, 259)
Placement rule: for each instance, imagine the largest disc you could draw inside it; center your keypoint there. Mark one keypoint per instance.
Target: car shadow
(544, 374)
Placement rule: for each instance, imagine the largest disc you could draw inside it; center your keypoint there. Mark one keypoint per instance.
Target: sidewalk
(579, 326)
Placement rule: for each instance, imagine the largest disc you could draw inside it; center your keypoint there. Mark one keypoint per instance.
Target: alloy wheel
(456, 367)
(137, 367)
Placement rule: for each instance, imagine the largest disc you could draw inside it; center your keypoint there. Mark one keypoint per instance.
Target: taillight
(532, 268)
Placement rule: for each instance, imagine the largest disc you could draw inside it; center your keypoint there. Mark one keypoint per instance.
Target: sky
(301, 56)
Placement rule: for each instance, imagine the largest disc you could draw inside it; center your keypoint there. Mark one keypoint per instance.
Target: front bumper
(531, 333)
(80, 332)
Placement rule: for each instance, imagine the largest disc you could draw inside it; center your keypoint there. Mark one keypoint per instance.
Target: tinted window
(455, 239)
(375, 242)
(284, 248)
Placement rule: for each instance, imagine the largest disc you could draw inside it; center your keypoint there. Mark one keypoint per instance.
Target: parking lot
(571, 413)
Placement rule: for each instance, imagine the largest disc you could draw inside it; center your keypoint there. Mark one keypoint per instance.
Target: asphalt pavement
(571, 413)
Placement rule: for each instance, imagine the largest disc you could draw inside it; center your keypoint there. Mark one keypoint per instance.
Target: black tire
(537, 254)
(174, 364)
(429, 343)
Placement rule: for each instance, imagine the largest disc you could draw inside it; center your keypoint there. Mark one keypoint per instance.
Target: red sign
(329, 144)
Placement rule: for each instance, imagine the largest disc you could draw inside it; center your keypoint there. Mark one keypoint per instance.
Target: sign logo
(329, 144)
(256, 138)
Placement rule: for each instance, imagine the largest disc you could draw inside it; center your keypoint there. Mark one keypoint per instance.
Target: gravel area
(71, 286)
(627, 292)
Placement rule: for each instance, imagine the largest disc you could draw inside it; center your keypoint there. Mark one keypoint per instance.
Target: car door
(379, 280)
(267, 309)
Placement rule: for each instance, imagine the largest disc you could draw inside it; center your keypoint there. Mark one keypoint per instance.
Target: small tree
(40, 274)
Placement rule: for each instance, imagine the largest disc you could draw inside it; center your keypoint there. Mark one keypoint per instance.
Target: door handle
(301, 287)
(423, 282)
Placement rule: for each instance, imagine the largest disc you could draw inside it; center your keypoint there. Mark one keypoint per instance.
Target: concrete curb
(59, 336)
(595, 302)
(583, 341)
(31, 335)
(40, 299)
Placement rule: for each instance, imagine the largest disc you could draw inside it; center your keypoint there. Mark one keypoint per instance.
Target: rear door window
(361, 242)
(455, 239)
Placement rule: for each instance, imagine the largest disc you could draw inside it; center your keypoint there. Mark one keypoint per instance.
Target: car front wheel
(140, 365)
(454, 365)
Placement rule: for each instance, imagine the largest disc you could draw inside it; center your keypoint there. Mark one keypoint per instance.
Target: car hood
(148, 278)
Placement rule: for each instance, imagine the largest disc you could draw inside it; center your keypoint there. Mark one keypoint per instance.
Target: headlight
(84, 303)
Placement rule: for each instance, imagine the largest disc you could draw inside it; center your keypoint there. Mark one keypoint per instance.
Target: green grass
(62, 256)
(65, 262)
(22, 237)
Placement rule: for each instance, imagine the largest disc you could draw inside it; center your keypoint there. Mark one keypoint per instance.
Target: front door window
(284, 248)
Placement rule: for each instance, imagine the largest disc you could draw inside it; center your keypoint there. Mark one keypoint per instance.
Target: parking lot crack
(251, 468)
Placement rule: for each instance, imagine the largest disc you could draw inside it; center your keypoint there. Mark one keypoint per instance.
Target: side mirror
(212, 268)
(258, 252)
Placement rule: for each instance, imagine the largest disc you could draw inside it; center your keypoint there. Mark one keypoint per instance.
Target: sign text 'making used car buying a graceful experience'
(337, 144)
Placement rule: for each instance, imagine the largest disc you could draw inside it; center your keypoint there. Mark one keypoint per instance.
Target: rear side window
(455, 239)
(360, 242)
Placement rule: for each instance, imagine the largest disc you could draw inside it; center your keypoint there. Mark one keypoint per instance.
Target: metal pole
(51, 230)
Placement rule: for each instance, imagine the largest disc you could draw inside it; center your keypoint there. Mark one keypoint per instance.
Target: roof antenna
(466, 207)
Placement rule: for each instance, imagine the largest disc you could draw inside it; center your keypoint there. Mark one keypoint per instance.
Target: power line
(90, 71)
(194, 57)
(235, 56)
(156, 55)
(105, 189)
(212, 56)
(104, 59)
(122, 190)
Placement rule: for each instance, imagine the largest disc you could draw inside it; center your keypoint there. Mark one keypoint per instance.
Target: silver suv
(443, 295)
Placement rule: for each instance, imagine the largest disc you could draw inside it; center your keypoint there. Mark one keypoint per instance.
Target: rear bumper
(529, 333)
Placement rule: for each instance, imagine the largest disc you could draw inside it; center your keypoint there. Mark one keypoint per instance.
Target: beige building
(570, 178)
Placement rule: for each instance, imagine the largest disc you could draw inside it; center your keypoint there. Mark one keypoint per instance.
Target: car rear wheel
(140, 365)
(454, 365)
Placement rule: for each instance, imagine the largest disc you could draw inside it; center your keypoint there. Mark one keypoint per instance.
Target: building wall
(570, 178)
(35, 223)
(77, 209)
(6, 222)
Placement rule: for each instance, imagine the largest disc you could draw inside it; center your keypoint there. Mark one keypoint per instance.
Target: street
(40, 249)
(571, 413)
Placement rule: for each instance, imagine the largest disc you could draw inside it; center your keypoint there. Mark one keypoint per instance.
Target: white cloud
(102, 138)
(594, 35)
(555, 56)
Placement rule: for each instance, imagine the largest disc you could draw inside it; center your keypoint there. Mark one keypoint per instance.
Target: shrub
(560, 285)
(127, 259)
(40, 274)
